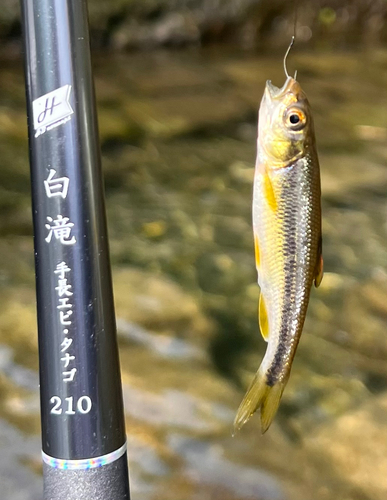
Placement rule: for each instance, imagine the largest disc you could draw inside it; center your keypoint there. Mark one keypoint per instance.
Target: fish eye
(295, 118)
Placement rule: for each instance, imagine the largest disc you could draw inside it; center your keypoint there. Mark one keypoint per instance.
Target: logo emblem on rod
(52, 109)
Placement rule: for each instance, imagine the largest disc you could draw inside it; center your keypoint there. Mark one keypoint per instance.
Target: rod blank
(80, 384)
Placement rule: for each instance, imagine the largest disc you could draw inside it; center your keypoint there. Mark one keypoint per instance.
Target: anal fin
(263, 319)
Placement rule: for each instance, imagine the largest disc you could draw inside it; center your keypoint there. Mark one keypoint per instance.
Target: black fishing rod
(83, 429)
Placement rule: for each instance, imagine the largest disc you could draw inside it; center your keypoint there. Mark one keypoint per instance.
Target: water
(178, 136)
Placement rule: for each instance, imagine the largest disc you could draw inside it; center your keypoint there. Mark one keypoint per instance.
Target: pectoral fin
(269, 192)
(263, 319)
(319, 273)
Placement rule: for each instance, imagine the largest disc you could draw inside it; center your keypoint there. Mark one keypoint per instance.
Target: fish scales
(287, 231)
(288, 257)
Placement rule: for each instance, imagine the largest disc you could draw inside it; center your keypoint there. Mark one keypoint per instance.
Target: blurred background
(178, 85)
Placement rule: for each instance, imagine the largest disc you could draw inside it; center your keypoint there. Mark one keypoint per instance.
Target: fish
(287, 238)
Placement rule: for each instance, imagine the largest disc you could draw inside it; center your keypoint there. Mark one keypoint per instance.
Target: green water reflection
(178, 140)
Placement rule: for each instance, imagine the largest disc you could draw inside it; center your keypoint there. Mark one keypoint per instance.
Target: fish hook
(292, 40)
(286, 56)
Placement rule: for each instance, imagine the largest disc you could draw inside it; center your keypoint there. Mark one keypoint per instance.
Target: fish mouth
(290, 85)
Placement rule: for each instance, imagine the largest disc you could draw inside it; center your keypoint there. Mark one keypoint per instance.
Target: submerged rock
(207, 464)
(355, 447)
(19, 458)
(157, 303)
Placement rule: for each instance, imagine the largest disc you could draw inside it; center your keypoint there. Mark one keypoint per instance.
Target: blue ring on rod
(84, 463)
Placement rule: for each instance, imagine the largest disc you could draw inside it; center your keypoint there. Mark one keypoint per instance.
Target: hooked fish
(287, 237)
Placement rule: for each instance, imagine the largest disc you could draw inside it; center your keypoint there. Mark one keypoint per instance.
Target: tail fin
(263, 396)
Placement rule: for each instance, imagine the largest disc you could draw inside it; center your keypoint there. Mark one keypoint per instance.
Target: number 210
(83, 405)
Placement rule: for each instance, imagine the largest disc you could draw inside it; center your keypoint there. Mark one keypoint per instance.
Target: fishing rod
(83, 428)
